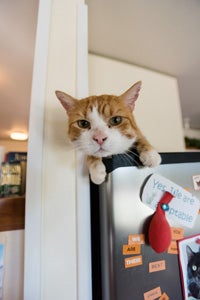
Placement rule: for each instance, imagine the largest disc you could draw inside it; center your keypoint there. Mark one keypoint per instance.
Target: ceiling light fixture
(18, 136)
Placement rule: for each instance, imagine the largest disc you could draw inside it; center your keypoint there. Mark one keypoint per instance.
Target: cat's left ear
(66, 100)
(131, 95)
(189, 252)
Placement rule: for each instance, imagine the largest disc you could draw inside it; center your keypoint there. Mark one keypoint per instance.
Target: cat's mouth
(101, 152)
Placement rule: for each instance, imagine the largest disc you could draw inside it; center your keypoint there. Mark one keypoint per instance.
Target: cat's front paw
(98, 174)
(150, 158)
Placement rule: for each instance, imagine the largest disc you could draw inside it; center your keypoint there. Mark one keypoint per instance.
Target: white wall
(192, 133)
(59, 249)
(157, 110)
(10, 145)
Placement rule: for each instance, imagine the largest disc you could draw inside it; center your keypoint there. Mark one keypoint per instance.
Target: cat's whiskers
(126, 157)
(80, 148)
(133, 154)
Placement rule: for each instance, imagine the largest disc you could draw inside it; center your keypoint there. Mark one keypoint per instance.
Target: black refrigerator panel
(118, 215)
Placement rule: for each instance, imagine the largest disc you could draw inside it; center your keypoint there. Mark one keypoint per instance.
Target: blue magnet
(165, 207)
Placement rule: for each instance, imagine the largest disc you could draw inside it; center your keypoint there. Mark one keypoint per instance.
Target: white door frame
(33, 229)
(32, 265)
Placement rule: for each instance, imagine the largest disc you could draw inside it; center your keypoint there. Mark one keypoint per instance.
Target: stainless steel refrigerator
(117, 213)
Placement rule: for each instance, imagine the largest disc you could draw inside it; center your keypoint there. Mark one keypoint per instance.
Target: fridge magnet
(136, 239)
(196, 182)
(168, 200)
(153, 294)
(189, 260)
(177, 234)
(173, 248)
(183, 208)
(157, 266)
(131, 249)
(164, 296)
(134, 261)
(159, 230)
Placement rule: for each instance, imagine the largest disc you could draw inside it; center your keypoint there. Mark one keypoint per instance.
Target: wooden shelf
(12, 213)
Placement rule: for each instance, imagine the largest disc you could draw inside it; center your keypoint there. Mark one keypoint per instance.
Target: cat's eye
(194, 268)
(83, 124)
(114, 121)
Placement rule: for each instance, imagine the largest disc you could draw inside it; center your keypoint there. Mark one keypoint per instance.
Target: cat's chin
(101, 153)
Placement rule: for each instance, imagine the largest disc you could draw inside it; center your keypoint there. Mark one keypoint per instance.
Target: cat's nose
(100, 139)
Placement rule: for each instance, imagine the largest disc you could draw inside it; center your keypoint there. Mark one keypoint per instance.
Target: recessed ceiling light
(19, 136)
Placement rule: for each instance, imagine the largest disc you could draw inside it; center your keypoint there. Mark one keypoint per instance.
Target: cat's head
(193, 263)
(102, 125)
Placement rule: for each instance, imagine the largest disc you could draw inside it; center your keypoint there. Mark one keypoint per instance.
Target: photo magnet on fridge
(189, 260)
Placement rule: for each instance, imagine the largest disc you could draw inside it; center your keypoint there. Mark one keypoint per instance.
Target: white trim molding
(32, 274)
(83, 193)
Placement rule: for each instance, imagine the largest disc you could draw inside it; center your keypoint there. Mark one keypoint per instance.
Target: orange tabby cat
(101, 126)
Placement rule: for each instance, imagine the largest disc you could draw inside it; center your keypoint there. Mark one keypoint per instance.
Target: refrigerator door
(130, 268)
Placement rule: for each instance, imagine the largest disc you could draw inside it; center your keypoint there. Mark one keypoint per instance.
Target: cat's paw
(150, 158)
(98, 174)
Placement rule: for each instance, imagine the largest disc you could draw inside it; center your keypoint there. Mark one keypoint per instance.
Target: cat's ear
(131, 95)
(66, 100)
(189, 252)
